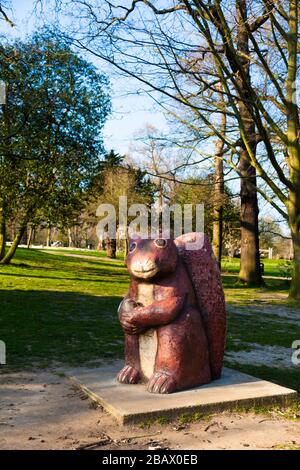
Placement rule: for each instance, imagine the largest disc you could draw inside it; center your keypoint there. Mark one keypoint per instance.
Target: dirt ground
(41, 410)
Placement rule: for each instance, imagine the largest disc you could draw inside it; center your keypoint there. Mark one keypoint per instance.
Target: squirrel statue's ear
(166, 234)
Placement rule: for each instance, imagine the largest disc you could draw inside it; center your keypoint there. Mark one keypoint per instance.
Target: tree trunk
(293, 129)
(12, 249)
(250, 272)
(71, 243)
(295, 284)
(126, 243)
(7, 130)
(217, 240)
(218, 209)
(2, 231)
(48, 239)
(111, 247)
(30, 236)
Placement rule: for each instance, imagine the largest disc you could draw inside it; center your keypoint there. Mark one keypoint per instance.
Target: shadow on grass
(44, 327)
(230, 282)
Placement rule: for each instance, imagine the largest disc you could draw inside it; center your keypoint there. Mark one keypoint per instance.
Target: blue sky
(130, 111)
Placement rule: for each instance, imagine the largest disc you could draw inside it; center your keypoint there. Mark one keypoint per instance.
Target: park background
(60, 286)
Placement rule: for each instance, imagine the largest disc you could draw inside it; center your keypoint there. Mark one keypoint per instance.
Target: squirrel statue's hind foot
(129, 375)
(161, 382)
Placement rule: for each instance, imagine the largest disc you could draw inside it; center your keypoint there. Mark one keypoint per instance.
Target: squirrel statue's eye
(132, 247)
(160, 242)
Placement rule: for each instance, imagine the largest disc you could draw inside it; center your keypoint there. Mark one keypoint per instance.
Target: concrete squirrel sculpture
(173, 315)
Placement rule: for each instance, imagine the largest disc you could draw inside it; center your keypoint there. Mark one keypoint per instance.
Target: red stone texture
(206, 278)
(186, 308)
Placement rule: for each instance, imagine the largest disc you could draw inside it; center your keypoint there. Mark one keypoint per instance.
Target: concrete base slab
(133, 404)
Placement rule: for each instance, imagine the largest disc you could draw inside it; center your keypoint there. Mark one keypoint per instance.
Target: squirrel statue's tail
(205, 275)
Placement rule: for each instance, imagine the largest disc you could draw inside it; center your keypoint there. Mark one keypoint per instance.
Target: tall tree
(218, 208)
(250, 272)
(50, 130)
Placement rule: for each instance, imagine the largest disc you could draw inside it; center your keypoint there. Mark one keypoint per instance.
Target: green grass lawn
(63, 310)
(272, 267)
(60, 309)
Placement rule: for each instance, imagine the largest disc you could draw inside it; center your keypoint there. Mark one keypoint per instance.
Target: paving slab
(133, 404)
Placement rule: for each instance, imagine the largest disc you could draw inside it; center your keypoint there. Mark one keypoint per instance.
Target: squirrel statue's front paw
(130, 324)
(161, 382)
(129, 375)
(127, 318)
